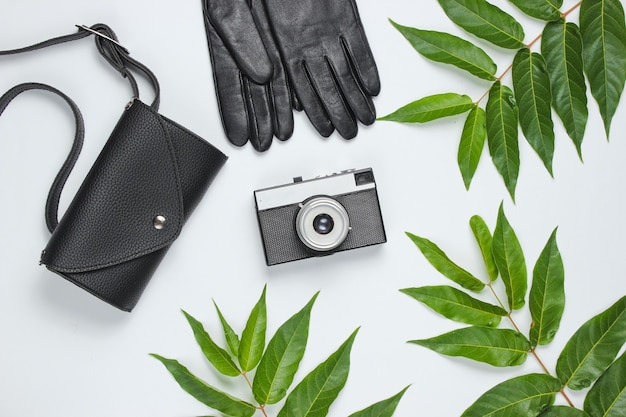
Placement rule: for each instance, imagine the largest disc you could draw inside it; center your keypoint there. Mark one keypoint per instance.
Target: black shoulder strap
(110, 49)
(52, 203)
(118, 57)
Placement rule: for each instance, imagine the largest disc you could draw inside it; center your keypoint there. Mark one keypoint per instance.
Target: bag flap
(130, 202)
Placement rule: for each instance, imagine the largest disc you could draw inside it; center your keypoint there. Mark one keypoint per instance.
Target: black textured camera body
(281, 240)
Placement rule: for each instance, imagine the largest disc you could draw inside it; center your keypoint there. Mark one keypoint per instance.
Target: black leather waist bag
(132, 204)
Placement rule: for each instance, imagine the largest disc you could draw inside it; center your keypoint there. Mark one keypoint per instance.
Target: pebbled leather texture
(328, 60)
(253, 94)
(106, 241)
(150, 168)
(233, 21)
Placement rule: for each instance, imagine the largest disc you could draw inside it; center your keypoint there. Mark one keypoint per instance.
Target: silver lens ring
(305, 223)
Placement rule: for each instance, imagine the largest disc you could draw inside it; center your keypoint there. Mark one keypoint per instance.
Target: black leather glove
(253, 94)
(329, 62)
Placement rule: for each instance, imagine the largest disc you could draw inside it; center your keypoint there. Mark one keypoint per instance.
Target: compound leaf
(253, 336)
(456, 305)
(218, 357)
(593, 347)
(449, 49)
(486, 21)
(282, 357)
(547, 294)
(562, 48)
(485, 242)
(431, 108)
(540, 9)
(384, 408)
(497, 347)
(531, 84)
(604, 53)
(525, 395)
(562, 411)
(607, 398)
(472, 144)
(509, 258)
(205, 393)
(502, 134)
(443, 264)
(318, 390)
(231, 337)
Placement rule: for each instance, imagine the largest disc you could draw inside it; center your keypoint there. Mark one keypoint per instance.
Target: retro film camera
(320, 216)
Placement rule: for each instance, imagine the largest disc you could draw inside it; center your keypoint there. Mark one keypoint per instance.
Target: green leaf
(497, 347)
(562, 47)
(540, 9)
(547, 294)
(607, 398)
(282, 357)
(604, 53)
(231, 337)
(456, 305)
(472, 144)
(431, 108)
(525, 395)
(449, 49)
(204, 393)
(384, 408)
(218, 357)
(502, 134)
(253, 336)
(485, 242)
(531, 84)
(443, 264)
(318, 390)
(486, 21)
(509, 258)
(562, 411)
(593, 347)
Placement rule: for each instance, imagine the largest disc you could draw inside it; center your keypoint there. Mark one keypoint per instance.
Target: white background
(65, 353)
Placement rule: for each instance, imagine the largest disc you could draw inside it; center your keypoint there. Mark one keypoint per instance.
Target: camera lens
(323, 224)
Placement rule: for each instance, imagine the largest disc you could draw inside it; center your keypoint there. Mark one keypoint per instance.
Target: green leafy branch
(588, 359)
(274, 366)
(553, 78)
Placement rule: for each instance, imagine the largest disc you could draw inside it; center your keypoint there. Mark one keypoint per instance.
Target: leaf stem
(574, 7)
(543, 366)
(534, 41)
(490, 285)
(569, 402)
(532, 351)
(508, 316)
(261, 406)
(505, 72)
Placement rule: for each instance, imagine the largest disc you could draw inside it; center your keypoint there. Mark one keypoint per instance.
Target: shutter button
(159, 222)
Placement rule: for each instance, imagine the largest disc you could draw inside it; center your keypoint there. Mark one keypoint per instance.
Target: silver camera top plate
(334, 184)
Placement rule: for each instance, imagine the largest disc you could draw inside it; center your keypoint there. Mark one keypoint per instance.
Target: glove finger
(278, 90)
(281, 95)
(337, 108)
(233, 21)
(229, 89)
(309, 100)
(244, 105)
(361, 103)
(295, 102)
(259, 115)
(360, 53)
